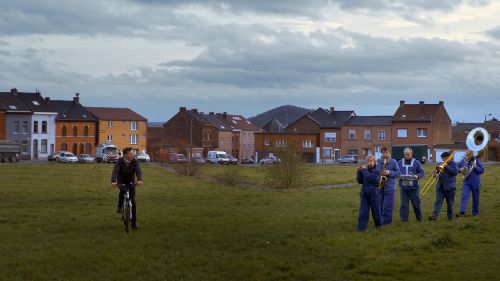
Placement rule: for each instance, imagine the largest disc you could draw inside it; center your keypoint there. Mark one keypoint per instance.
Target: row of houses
(44, 126)
(322, 135)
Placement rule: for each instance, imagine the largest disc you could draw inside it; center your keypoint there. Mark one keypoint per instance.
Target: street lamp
(487, 115)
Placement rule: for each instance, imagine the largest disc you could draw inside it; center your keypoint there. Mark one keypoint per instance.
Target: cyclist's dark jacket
(125, 173)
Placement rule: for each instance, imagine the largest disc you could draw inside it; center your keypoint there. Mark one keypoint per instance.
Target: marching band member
(471, 182)
(389, 171)
(446, 187)
(368, 177)
(411, 172)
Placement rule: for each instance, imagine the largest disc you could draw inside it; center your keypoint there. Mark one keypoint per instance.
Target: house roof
(273, 126)
(416, 112)
(12, 103)
(221, 125)
(155, 124)
(370, 121)
(238, 122)
(115, 114)
(328, 119)
(71, 111)
(34, 102)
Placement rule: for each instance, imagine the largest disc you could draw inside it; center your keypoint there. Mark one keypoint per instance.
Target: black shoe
(134, 226)
(119, 210)
(461, 215)
(432, 218)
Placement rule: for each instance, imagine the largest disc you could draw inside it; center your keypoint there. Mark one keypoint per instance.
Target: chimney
(332, 109)
(421, 103)
(401, 102)
(224, 115)
(195, 110)
(182, 109)
(76, 98)
(47, 100)
(13, 90)
(211, 113)
(441, 102)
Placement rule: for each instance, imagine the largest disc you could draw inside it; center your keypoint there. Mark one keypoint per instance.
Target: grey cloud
(494, 33)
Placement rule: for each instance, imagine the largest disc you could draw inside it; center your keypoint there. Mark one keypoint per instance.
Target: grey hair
(408, 149)
(371, 157)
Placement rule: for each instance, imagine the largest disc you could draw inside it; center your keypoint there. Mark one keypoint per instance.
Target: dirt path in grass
(249, 185)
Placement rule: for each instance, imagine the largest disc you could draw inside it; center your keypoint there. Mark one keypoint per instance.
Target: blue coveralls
(445, 189)
(471, 183)
(369, 180)
(386, 196)
(409, 188)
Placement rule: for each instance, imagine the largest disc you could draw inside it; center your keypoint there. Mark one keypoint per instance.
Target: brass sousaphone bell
(476, 141)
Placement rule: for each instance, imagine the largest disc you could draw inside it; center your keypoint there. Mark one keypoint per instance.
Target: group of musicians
(378, 186)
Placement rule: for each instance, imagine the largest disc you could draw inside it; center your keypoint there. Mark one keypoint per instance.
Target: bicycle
(127, 207)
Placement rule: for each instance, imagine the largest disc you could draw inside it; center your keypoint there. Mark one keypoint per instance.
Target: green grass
(58, 223)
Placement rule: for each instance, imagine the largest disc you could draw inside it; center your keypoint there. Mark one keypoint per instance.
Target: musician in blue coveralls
(411, 172)
(389, 169)
(446, 187)
(368, 177)
(472, 169)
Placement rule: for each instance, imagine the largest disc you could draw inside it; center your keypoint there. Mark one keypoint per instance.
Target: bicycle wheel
(127, 216)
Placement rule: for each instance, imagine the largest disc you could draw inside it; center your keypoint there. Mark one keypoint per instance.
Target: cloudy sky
(250, 56)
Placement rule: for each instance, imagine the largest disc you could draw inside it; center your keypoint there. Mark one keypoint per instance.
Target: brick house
(75, 127)
(366, 135)
(243, 135)
(17, 122)
(155, 135)
(122, 126)
(315, 135)
(272, 126)
(461, 130)
(422, 123)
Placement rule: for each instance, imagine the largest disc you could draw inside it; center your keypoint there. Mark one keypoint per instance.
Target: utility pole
(190, 146)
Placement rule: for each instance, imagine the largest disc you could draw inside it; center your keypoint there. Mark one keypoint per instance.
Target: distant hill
(286, 114)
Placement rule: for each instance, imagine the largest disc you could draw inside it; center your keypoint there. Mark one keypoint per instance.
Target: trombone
(439, 169)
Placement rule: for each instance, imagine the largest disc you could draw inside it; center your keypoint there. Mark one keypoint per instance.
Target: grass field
(58, 223)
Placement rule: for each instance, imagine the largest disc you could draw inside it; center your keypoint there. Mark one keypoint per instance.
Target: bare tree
(289, 172)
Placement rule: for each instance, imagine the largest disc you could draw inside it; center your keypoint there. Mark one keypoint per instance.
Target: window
(267, 142)
(75, 131)
(75, 147)
(16, 127)
(86, 131)
(136, 151)
(110, 137)
(88, 148)
(64, 131)
(327, 152)
(308, 144)
(43, 147)
(64, 147)
(133, 125)
(352, 152)
(110, 124)
(330, 137)
(378, 149)
(44, 127)
(24, 146)
(35, 127)
(82, 147)
(402, 133)
(281, 143)
(421, 132)
(134, 139)
(25, 127)
(352, 134)
(368, 134)
(381, 135)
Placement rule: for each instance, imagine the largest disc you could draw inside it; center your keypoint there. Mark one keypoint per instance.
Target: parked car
(348, 159)
(85, 158)
(198, 160)
(247, 161)
(233, 160)
(218, 157)
(269, 160)
(67, 157)
(143, 157)
(177, 158)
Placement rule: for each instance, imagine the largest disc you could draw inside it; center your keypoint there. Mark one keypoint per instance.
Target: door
(35, 149)
(336, 154)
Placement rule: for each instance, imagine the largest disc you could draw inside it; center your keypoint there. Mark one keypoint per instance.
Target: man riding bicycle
(123, 175)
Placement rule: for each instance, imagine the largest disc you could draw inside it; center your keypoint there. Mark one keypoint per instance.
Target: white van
(218, 157)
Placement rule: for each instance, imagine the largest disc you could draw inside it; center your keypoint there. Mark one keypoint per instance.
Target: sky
(246, 57)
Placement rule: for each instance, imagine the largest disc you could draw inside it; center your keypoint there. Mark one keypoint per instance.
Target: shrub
(290, 172)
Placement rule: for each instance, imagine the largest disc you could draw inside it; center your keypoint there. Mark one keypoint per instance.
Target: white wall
(50, 136)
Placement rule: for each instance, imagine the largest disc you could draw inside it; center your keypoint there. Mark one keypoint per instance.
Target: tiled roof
(216, 122)
(273, 126)
(370, 121)
(35, 102)
(238, 122)
(12, 103)
(115, 114)
(416, 112)
(329, 119)
(71, 111)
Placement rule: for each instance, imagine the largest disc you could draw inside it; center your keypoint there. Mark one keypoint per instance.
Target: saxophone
(383, 179)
